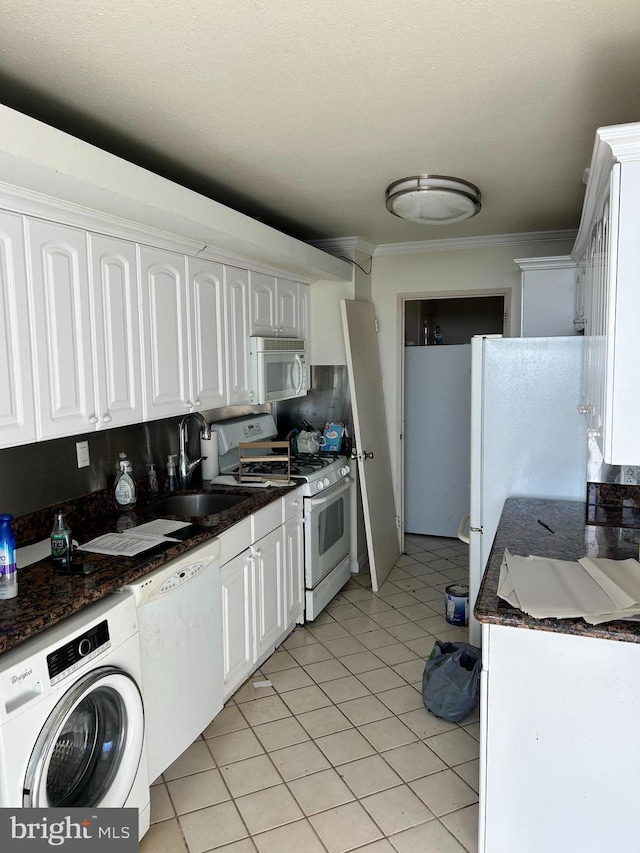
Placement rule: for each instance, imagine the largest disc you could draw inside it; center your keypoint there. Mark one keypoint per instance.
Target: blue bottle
(8, 573)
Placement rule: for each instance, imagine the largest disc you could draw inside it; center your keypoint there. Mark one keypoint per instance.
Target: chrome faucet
(186, 465)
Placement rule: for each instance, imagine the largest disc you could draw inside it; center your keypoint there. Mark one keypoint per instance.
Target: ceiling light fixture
(433, 199)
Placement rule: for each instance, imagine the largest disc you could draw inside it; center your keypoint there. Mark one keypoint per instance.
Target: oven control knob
(344, 470)
(320, 485)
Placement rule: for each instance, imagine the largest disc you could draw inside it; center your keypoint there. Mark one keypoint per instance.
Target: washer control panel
(77, 652)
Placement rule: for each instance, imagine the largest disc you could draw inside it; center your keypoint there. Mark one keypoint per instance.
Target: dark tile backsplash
(613, 505)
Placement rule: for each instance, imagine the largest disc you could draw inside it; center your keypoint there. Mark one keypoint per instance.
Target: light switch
(82, 452)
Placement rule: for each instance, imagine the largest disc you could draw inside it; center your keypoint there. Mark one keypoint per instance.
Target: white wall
(440, 273)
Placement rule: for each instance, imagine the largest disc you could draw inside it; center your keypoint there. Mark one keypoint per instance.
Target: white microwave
(278, 368)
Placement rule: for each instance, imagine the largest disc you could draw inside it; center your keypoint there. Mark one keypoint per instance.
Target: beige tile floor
(339, 754)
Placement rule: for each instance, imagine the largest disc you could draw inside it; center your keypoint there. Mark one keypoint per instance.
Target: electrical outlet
(82, 452)
(629, 475)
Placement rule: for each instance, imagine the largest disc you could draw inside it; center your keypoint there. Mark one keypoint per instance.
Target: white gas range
(326, 489)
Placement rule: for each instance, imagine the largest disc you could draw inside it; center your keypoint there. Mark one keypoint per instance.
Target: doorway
(436, 385)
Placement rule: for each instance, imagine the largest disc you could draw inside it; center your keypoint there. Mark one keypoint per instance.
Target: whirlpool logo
(74, 830)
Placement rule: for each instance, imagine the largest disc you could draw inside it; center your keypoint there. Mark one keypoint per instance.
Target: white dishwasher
(178, 607)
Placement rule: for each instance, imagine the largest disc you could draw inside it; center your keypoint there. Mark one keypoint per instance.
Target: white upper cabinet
(207, 334)
(608, 251)
(116, 331)
(236, 285)
(304, 311)
(165, 334)
(549, 299)
(287, 308)
(17, 414)
(61, 329)
(276, 307)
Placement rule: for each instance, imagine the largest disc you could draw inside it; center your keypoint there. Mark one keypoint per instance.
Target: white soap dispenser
(124, 487)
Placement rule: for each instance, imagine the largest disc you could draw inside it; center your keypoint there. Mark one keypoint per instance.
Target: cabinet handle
(189, 404)
(107, 419)
(93, 419)
(257, 553)
(295, 503)
(197, 403)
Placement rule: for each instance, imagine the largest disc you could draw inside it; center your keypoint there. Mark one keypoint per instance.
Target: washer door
(90, 747)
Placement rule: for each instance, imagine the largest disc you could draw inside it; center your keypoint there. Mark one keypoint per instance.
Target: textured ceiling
(300, 113)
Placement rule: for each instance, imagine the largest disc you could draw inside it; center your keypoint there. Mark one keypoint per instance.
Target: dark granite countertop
(520, 532)
(45, 597)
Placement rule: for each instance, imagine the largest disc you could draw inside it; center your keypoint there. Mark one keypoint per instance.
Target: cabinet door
(287, 311)
(207, 334)
(114, 288)
(237, 622)
(237, 314)
(164, 323)
(268, 591)
(293, 571)
(304, 311)
(62, 329)
(17, 412)
(263, 305)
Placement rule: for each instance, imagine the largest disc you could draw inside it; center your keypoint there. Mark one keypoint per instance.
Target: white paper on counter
(159, 527)
(598, 590)
(556, 588)
(619, 578)
(506, 589)
(136, 539)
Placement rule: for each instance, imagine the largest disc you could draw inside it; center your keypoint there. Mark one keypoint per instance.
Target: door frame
(401, 300)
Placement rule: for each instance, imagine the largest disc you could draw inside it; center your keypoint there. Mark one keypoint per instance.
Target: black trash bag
(451, 680)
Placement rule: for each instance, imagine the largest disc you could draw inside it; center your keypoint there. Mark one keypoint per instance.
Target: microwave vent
(280, 345)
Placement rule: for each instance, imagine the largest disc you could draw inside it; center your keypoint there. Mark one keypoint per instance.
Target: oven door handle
(321, 500)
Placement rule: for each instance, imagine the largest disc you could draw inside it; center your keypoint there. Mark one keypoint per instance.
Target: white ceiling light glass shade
(433, 199)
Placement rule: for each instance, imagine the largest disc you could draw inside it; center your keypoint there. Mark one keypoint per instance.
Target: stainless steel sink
(196, 505)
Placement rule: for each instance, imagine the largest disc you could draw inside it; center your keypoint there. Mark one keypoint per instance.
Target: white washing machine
(180, 627)
(71, 714)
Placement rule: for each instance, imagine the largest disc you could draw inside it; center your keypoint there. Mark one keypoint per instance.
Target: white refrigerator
(527, 437)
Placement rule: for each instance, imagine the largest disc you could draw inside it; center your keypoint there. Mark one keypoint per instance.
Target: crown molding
(550, 263)
(615, 144)
(345, 244)
(456, 243)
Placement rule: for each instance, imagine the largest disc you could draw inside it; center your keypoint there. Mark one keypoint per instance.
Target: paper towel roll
(209, 448)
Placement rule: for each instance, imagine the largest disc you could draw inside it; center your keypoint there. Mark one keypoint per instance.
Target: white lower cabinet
(236, 586)
(268, 589)
(261, 590)
(294, 569)
(559, 756)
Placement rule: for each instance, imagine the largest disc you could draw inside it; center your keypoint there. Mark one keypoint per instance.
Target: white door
(208, 334)
(304, 311)
(263, 305)
(236, 283)
(17, 415)
(374, 464)
(287, 308)
(114, 288)
(236, 598)
(268, 588)
(62, 329)
(293, 569)
(164, 322)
